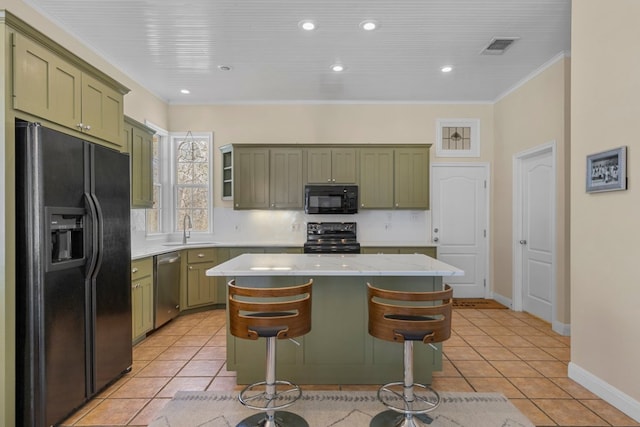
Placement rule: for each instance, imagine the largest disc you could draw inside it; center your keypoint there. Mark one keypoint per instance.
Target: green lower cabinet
(141, 297)
(201, 289)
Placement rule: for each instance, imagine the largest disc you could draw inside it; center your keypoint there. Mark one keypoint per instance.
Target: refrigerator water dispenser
(67, 237)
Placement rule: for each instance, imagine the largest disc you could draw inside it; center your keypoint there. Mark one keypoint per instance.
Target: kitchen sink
(189, 244)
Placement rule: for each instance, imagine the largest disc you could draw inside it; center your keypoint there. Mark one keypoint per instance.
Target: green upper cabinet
(331, 165)
(45, 85)
(376, 178)
(250, 177)
(412, 178)
(55, 85)
(102, 110)
(140, 141)
(267, 177)
(285, 175)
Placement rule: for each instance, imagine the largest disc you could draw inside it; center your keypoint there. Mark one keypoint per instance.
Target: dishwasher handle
(168, 259)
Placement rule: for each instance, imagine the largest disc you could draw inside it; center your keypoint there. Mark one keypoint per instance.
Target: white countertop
(156, 248)
(333, 265)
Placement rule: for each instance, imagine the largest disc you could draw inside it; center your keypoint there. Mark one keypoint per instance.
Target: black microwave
(331, 199)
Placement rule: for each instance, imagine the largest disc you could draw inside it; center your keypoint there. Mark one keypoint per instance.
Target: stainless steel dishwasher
(167, 287)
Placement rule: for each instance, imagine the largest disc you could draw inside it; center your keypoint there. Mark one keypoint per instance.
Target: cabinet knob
(80, 125)
(134, 270)
(200, 255)
(87, 127)
(190, 267)
(397, 205)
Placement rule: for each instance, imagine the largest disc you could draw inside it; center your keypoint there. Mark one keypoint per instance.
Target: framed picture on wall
(607, 171)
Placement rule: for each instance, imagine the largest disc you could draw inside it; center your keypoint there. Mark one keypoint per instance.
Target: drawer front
(201, 255)
(141, 268)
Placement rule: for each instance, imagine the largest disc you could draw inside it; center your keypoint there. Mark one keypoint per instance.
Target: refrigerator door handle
(94, 260)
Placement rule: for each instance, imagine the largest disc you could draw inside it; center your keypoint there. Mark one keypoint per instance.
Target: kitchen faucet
(186, 234)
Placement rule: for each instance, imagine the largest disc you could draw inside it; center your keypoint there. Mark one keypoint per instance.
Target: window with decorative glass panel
(192, 181)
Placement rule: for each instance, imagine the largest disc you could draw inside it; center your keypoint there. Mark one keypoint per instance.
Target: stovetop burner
(331, 237)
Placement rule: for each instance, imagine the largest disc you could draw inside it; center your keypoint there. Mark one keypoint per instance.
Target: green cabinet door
(412, 178)
(319, 166)
(45, 85)
(285, 178)
(251, 178)
(201, 289)
(376, 178)
(142, 306)
(331, 165)
(140, 141)
(141, 297)
(102, 111)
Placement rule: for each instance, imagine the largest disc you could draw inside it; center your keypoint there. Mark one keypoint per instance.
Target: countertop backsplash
(285, 227)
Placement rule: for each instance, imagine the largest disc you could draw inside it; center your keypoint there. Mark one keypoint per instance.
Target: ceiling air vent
(498, 45)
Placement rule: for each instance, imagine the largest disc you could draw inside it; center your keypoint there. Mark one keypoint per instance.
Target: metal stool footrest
(425, 400)
(256, 396)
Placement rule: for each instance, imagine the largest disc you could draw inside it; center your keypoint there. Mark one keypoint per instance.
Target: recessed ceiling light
(224, 67)
(369, 25)
(337, 68)
(307, 25)
(185, 91)
(447, 69)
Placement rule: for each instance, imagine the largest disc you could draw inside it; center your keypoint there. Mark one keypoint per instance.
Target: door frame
(518, 160)
(486, 166)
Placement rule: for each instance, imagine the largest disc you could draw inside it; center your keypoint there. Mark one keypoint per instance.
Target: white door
(459, 223)
(536, 237)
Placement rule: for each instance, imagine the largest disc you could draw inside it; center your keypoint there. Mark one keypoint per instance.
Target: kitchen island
(339, 349)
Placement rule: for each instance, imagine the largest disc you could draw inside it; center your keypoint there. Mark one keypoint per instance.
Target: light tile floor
(495, 350)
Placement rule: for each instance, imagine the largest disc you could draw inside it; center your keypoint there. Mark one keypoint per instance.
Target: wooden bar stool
(271, 313)
(406, 317)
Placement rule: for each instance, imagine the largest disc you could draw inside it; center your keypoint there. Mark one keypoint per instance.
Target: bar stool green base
(280, 419)
(395, 419)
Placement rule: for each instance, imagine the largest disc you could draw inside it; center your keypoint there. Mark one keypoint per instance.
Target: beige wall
(605, 290)
(383, 123)
(532, 115)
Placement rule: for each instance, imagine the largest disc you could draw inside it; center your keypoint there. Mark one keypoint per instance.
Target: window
(192, 180)
(458, 138)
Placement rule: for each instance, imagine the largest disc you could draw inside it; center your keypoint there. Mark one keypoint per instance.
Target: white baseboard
(502, 300)
(561, 328)
(606, 391)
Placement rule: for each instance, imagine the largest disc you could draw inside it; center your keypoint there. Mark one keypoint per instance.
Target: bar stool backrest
(258, 312)
(399, 315)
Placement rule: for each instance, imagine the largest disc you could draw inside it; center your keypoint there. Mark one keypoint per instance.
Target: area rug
(338, 409)
(478, 303)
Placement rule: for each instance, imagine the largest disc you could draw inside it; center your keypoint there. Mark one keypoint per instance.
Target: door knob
(435, 239)
(435, 230)
(523, 242)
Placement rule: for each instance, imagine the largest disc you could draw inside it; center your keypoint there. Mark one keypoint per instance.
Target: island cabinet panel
(58, 88)
(286, 178)
(338, 349)
(331, 165)
(412, 178)
(251, 178)
(376, 178)
(141, 297)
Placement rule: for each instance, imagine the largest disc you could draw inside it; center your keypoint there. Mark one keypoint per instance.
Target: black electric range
(331, 237)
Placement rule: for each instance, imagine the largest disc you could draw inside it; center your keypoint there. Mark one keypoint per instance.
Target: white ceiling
(168, 45)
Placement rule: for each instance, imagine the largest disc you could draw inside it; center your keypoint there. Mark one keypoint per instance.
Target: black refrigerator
(73, 268)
